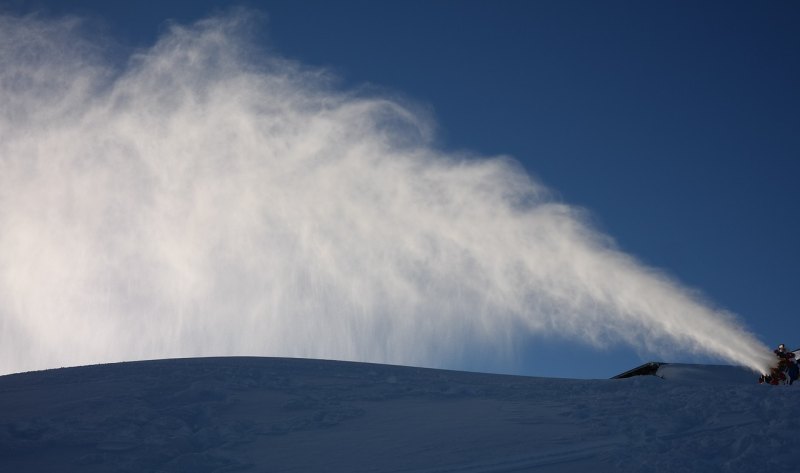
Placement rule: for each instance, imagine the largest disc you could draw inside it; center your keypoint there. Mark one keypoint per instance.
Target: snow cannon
(785, 370)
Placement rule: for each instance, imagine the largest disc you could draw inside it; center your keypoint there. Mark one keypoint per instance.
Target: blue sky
(674, 123)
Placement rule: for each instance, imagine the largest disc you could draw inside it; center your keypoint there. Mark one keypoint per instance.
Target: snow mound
(707, 374)
(270, 414)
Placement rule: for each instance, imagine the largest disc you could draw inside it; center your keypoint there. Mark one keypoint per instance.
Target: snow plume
(209, 198)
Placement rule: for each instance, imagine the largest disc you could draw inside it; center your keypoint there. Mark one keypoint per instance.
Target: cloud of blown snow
(206, 198)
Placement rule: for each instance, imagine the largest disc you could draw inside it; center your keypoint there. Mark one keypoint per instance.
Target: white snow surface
(294, 415)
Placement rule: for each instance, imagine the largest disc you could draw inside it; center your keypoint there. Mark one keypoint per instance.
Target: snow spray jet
(208, 198)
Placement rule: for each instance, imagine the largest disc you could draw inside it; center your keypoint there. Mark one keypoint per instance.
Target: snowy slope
(272, 415)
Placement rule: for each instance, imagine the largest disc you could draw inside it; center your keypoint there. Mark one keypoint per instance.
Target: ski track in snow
(269, 414)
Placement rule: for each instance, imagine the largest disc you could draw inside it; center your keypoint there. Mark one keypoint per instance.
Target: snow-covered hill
(273, 415)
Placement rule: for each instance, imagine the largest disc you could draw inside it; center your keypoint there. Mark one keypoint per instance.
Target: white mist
(208, 199)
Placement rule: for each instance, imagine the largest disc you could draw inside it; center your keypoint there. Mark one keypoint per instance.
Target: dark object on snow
(647, 369)
(793, 372)
(785, 371)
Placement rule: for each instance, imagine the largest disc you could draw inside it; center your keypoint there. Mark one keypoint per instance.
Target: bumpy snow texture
(271, 414)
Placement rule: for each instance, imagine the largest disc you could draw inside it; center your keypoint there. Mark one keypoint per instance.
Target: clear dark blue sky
(677, 124)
